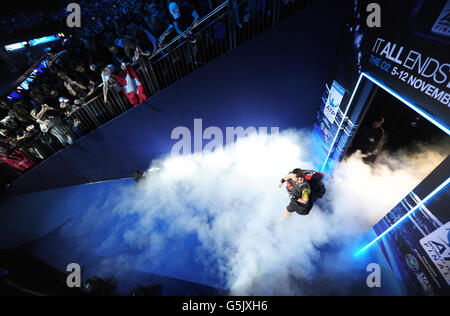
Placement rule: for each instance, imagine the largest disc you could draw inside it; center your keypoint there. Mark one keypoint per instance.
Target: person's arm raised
(289, 176)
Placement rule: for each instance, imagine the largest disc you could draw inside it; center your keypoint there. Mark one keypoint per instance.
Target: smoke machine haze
(231, 201)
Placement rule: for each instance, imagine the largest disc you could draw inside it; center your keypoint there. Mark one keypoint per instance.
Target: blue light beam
(429, 197)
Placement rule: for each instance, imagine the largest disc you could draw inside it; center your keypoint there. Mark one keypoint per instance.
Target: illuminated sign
(16, 46)
(34, 42)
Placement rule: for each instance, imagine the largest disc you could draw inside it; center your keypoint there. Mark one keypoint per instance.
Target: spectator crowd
(114, 34)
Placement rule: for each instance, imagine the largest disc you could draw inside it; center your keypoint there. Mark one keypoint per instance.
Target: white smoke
(231, 200)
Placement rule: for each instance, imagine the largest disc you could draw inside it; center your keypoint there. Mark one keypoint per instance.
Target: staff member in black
(299, 192)
(370, 137)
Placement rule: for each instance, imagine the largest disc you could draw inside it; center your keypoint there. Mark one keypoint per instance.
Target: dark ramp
(79, 225)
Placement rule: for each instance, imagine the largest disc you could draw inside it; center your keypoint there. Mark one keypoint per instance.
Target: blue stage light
(45, 39)
(427, 116)
(429, 197)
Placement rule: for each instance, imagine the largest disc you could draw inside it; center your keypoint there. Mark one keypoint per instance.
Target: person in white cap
(107, 80)
(183, 18)
(66, 106)
(63, 102)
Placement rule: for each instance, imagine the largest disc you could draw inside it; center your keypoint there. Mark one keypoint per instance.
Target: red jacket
(17, 160)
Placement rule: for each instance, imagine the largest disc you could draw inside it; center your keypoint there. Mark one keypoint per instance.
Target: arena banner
(411, 56)
(417, 251)
(418, 73)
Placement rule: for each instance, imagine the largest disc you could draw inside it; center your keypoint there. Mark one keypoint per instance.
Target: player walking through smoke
(303, 188)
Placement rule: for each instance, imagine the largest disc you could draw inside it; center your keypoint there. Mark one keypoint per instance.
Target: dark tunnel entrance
(412, 146)
(404, 129)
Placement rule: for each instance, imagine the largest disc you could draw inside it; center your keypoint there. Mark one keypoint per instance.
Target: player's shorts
(299, 209)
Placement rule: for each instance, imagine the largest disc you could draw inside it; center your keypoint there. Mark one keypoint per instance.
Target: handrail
(202, 20)
(175, 39)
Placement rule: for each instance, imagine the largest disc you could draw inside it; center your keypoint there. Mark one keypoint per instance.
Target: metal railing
(216, 33)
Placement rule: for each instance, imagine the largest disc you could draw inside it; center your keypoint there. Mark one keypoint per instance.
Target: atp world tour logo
(213, 134)
(437, 246)
(335, 96)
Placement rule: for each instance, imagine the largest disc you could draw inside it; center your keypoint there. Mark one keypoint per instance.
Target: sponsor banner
(437, 246)
(417, 251)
